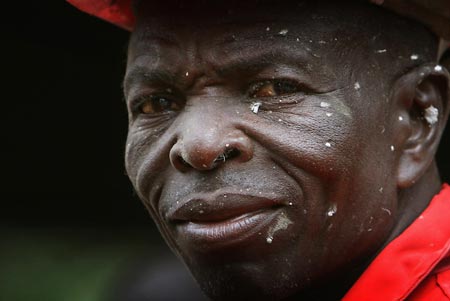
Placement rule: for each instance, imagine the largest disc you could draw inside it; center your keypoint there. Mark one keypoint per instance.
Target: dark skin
(293, 198)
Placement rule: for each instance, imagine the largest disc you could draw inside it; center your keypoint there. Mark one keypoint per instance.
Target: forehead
(307, 17)
(248, 25)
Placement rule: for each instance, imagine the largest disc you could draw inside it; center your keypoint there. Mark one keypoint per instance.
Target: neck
(414, 199)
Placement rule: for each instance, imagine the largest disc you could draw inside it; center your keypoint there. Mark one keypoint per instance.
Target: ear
(421, 97)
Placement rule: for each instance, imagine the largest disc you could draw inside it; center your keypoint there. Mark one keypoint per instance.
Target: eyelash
(173, 103)
(289, 86)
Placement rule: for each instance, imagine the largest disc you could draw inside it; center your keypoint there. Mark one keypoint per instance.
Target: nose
(207, 147)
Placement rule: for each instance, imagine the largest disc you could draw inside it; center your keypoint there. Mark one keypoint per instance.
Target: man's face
(259, 142)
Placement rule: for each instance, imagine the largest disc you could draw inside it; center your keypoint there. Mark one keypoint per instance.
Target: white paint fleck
(329, 114)
(283, 32)
(332, 210)
(290, 204)
(414, 57)
(357, 86)
(267, 28)
(421, 217)
(369, 230)
(400, 118)
(298, 40)
(387, 210)
(269, 239)
(324, 104)
(328, 144)
(381, 51)
(431, 115)
(381, 189)
(187, 74)
(438, 68)
(392, 148)
(282, 223)
(227, 145)
(255, 107)
(383, 129)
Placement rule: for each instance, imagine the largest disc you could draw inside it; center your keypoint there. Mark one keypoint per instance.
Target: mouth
(210, 221)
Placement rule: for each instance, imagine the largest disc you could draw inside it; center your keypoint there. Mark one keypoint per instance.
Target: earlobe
(422, 96)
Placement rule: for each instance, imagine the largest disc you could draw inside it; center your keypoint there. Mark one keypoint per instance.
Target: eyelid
(137, 101)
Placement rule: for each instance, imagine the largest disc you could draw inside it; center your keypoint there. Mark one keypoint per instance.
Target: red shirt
(416, 265)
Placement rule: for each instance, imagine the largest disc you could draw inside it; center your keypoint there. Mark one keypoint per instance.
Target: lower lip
(229, 232)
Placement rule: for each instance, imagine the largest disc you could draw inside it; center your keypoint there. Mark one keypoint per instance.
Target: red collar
(409, 258)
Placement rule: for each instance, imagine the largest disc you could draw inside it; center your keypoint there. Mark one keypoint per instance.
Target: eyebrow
(147, 75)
(256, 61)
(251, 62)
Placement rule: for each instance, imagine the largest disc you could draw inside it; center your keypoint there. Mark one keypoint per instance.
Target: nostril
(232, 153)
(183, 162)
(228, 154)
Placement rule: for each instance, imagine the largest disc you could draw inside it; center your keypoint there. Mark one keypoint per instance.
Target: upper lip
(219, 206)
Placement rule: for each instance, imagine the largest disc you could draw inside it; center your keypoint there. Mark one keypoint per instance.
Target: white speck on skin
(205, 166)
(392, 148)
(328, 144)
(255, 107)
(387, 210)
(383, 130)
(282, 223)
(357, 86)
(332, 210)
(421, 217)
(438, 68)
(324, 104)
(400, 118)
(283, 32)
(381, 51)
(290, 204)
(369, 230)
(431, 115)
(414, 57)
(269, 239)
(187, 74)
(227, 145)
(380, 190)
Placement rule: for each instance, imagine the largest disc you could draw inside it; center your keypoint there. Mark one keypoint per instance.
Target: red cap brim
(118, 12)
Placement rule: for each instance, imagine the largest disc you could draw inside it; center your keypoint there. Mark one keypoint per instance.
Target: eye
(157, 104)
(274, 88)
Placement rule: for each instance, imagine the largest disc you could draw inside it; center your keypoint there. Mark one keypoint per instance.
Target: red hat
(118, 12)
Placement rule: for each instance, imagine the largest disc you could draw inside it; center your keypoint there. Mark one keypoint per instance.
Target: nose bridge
(207, 138)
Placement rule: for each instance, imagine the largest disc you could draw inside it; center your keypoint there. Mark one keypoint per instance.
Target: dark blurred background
(70, 222)
(71, 227)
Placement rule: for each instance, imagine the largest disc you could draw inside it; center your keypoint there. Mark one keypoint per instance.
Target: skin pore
(278, 147)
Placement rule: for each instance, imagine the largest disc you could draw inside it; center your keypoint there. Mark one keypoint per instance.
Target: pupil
(284, 88)
(161, 103)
